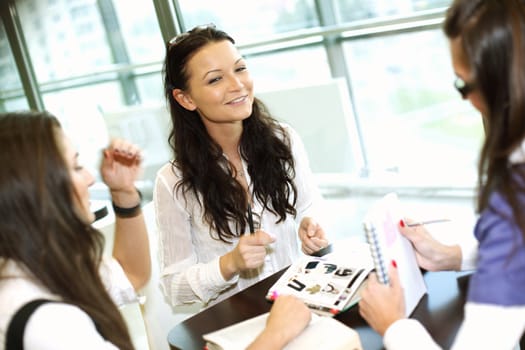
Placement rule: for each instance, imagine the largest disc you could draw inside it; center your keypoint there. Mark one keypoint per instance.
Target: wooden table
(440, 311)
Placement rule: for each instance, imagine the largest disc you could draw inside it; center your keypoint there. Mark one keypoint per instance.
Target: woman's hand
(248, 254)
(120, 168)
(381, 304)
(431, 255)
(288, 317)
(312, 236)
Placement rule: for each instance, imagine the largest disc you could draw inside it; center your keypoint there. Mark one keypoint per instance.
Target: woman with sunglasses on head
(57, 291)
(228, 204)
(487, 43)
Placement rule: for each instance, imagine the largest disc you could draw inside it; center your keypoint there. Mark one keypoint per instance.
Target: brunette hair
(492, 34)
(41, 231)
(206, 173)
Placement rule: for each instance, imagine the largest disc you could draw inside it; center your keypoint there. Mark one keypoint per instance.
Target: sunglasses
(464, 88)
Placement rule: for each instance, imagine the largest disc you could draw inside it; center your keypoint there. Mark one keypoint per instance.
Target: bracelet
(128, 212)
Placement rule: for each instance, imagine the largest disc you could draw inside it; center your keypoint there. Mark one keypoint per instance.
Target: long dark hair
(492, 34)
(39, 228)
(264, 145)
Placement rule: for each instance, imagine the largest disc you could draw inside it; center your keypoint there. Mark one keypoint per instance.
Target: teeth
(238, 99)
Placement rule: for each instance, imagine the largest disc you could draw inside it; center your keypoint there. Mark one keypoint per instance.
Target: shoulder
(291, 134)
(167, 170)
(62, 326)
(167, 176)
(16, 289)
(288, 129)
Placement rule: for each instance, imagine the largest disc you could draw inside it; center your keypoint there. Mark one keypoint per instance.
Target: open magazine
(329, 284)
(321, 333)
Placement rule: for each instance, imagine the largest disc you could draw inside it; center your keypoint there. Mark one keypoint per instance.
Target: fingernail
(401, 223)
(394, 263)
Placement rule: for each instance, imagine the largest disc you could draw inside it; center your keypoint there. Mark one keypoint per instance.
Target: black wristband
(128, 212)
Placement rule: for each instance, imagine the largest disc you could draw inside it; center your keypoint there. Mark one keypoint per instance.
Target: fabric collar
(518, 155)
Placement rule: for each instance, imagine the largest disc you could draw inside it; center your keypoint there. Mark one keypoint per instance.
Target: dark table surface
(440, 311)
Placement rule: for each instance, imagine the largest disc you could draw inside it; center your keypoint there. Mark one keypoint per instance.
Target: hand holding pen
(431, 254)
(249, 253)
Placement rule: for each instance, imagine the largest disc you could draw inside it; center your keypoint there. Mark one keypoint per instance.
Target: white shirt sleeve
(490, 327)
(184, 277)
(484, 327)
(469, 253)
(408, 334)
(116, 282)
(57, 326)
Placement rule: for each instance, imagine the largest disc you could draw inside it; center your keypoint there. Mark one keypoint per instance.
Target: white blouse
(57, 326)
(189, 256)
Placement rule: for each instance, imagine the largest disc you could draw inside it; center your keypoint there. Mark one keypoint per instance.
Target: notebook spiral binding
(376, 252)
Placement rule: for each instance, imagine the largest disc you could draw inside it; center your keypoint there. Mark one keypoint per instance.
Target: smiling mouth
(237, 100)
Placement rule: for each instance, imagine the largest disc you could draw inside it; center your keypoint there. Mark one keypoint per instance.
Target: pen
(420, 223)
(250, 219)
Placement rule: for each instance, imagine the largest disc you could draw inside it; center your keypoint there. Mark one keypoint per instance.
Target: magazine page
(328, 284)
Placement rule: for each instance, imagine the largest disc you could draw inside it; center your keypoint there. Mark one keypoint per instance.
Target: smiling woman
(233, 162)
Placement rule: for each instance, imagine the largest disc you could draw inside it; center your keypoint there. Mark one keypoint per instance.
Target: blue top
(500, 275)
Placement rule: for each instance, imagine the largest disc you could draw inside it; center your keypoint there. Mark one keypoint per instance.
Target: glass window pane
(140, 30)
(247, 20)
(412, 118)
(291, 67)
(73, 38)
(352, 10)
(64, 39)
(12, 96)
(151, 88)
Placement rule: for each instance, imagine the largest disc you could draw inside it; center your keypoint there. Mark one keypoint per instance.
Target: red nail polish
(394, 263)
(401, 223)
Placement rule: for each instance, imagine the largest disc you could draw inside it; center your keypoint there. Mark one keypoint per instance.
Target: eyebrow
(218, 70)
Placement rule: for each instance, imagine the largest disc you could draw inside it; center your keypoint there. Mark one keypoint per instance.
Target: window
(11, 97)
(250, 20)
(105, 56)
(408, 100)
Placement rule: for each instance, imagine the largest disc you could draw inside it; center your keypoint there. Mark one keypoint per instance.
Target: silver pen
(421, 223)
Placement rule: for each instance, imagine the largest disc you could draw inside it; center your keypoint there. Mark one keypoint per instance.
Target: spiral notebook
(386, 244)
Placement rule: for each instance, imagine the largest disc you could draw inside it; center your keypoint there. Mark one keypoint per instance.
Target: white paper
(321, 333)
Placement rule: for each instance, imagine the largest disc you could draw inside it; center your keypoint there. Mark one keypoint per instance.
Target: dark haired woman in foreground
(48, 248)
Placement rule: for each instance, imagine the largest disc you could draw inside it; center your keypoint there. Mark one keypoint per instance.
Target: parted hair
(41, 231)
(206, 173)
(492, 34)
